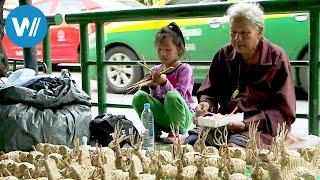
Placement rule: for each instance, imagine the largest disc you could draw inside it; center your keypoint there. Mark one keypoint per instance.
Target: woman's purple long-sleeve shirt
(180, 80)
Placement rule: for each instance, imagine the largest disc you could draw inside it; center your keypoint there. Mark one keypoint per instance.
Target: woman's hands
(202, 109)
(236, 126)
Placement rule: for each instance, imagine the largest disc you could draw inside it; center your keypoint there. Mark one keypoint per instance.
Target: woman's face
(245, 36)
(167, 51)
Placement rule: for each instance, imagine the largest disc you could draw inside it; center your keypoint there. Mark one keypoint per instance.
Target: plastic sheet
(50, 110)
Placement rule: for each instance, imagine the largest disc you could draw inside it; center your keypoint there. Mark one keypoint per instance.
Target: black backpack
(102, 126)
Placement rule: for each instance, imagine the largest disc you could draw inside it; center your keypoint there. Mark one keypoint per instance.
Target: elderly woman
(250, 75)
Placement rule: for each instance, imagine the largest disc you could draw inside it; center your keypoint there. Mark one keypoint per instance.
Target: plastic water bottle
(148, 122)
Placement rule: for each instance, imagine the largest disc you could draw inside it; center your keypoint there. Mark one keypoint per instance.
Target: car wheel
(120, 77)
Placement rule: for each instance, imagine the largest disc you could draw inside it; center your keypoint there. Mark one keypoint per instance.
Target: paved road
(300, 127)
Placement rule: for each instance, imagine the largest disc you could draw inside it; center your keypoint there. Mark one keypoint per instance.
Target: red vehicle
(65, 39)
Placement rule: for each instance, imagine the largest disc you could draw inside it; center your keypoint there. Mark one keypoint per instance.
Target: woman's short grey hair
(249, 10)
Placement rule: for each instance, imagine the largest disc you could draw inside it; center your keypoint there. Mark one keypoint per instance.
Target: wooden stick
(130, 91)
(146, 81)
(135, 86)
(132, 87)
(143, 79)
(144, 60)
(138, 86)
(145, 66)
(138, 83)
(165, 70)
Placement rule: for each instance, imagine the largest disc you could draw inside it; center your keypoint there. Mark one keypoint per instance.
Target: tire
(120, 77)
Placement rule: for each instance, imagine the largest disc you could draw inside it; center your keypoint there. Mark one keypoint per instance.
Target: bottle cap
(146, 106)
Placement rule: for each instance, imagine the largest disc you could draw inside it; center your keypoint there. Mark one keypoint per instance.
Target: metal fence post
(314, 73)
(101, 70)
(46, 51)
(30, 54)
(84, 58)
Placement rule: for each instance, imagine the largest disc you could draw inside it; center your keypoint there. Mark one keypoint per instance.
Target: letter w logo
(26, 25)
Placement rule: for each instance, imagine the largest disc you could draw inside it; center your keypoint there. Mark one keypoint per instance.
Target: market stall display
(113, 162)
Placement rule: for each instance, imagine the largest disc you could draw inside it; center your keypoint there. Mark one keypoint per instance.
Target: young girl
(170, 95)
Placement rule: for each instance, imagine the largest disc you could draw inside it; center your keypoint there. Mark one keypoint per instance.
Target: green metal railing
(46, 49)
(314, 72)
(186, 11)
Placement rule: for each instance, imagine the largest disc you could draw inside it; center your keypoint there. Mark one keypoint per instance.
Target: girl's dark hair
(172, 30)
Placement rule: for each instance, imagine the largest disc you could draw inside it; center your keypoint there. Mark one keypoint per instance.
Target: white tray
(217, 120)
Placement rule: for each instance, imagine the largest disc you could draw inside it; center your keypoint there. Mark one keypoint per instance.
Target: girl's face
(167, 51)
(244, 36)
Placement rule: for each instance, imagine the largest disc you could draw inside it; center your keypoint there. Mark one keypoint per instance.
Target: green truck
(129, 41)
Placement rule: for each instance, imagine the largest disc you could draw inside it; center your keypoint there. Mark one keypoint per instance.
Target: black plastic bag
(102, 127)
(49, 110)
